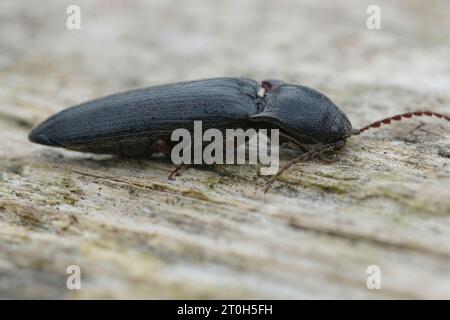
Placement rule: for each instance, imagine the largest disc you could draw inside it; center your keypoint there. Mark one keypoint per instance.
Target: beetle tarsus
(328, 160)
(176, 171)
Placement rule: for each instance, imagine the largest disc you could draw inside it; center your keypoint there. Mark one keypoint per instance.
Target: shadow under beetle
(139, 122)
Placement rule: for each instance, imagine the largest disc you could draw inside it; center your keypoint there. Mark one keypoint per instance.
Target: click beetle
(139, 122)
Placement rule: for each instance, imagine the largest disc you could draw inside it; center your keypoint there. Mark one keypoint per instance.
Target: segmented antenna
(399, 117)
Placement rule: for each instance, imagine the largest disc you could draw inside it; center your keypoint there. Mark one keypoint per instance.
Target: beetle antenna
(399, 117)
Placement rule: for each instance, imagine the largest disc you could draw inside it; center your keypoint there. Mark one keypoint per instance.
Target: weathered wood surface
(213, 233)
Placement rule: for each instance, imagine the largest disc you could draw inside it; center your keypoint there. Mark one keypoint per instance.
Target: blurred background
(122, 45)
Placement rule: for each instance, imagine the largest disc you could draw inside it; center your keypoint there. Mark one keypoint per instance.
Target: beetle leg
(328, 160)
(302, 147)
(305, 156)
(175, 171)
(161, 146)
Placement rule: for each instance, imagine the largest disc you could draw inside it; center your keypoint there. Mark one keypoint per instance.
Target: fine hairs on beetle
(139, 122)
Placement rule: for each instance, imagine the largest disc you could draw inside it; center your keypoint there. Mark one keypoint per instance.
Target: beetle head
(303, 113)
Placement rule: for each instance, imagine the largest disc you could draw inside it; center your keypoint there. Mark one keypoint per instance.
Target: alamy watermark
(73, 281)
(374, 278)
(236, 147)
(73, 21)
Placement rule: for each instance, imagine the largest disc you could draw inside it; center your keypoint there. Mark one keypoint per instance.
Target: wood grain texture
(212, 233)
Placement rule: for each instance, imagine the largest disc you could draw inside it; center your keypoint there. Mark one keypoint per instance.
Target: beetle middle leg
(327, 159)
(303, 157)
(176, 171)
(164, 148)
(306, 148)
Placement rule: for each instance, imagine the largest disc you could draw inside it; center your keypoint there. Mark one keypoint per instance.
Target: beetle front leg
(284, 137)
(303, 157)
